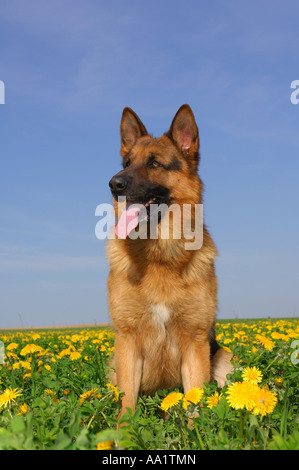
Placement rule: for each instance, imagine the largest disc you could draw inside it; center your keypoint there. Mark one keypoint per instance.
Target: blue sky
(69, 68)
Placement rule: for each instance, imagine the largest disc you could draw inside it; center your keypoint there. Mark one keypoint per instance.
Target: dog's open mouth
(136, 213)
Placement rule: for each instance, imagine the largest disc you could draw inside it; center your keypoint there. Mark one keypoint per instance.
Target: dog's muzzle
(118, 184)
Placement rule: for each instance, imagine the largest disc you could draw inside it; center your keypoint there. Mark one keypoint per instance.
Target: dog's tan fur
(162, 297)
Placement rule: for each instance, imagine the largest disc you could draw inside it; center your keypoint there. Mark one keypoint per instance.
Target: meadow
(55, 394)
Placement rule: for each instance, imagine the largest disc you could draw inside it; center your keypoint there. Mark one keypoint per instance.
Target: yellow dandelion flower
(9, 395)
(23, 409)
(292, 334)
(30, 349)
(12, 346)
(252, 374)
(12, 356)
(64, 352)
(75, 338)
(171, 400)
(264, 402)
(35, 336)
(75, 355)
(90, 393)
(279, 381)
(25, 365)
(276, 335)
(213, 400)
(105, 445)
(266, 342)
(193, 396)
(113, 389)
(240, 395)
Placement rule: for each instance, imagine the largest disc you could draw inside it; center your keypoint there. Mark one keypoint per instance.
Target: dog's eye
(128, 162)
(155, 164)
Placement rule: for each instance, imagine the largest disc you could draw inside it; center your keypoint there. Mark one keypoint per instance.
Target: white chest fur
(160, 314)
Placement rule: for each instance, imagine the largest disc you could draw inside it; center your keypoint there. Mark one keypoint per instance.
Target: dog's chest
(160, 314)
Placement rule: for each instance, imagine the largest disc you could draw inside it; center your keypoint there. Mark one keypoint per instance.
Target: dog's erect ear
(183, 131)
(131, 128)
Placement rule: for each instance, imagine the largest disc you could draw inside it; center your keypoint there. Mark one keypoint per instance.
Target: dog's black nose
(118, 183)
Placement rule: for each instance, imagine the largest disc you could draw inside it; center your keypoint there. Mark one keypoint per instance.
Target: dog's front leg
(128, 363)
(195, 367)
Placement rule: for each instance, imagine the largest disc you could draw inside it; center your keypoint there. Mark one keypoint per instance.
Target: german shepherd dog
(162, 296)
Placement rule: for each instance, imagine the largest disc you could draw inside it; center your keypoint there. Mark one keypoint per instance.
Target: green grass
(63, 400)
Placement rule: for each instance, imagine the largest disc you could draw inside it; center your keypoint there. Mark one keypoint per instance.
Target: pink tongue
(128, 220)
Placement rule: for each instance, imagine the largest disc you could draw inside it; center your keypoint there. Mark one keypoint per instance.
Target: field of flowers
(55, 394)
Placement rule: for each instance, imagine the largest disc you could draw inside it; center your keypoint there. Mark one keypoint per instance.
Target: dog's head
(158, 170)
